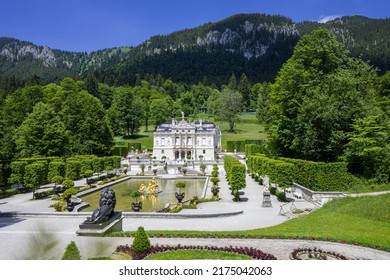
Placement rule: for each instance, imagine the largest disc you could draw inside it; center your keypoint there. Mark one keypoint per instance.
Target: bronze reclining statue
(106, 210)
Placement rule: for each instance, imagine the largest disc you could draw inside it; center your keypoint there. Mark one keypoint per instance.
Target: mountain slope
(254, 44)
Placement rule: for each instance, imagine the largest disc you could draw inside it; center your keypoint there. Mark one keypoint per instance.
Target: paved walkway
(20, 236)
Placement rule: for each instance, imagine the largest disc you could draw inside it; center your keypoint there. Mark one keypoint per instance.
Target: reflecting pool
(151, 202)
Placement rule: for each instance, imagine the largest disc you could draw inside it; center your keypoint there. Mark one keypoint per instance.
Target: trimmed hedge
(1, 176)
(318, 176)
(56, 168)
(278, 171)
(251, 149)
(235, 174)
(35, 175)
(239, 146)
(122, 148)
(18, 169)
(119, 151)
(71, 168)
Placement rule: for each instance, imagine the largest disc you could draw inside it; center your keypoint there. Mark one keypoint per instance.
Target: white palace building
(181, 140)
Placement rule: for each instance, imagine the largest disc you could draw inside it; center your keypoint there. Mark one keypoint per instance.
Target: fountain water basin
(156, 192)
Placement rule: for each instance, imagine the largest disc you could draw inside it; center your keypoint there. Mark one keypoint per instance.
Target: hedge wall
(1, 176)
(119, 151)
(18, 169)
(251, 149)
(278, 171)
(122, 148)
(235, 174)
(56, 168)
(318, 176)
(35, 174)
(71, 168)
(239, 146)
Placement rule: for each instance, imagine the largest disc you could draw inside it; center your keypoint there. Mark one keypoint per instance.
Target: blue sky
(87, 25)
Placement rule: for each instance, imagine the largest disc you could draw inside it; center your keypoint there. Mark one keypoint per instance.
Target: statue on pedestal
(106, 210)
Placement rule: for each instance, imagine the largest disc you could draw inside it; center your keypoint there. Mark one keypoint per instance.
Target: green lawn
(197, 255)
(360, 220)
(246, 128)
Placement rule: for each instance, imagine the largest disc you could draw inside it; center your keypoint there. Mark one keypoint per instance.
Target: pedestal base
(266, 200)
(113, 224)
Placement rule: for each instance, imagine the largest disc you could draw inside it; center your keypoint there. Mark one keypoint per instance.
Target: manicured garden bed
(361, 221)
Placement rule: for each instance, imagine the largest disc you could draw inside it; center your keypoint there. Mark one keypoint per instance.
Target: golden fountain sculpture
(152, 188)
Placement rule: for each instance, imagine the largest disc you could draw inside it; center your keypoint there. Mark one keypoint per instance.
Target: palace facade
(181, 140)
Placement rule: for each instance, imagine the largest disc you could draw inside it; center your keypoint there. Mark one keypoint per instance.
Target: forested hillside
(254, 44)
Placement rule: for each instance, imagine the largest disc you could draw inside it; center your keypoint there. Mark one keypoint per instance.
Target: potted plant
(215, 191)
(203, 168)
(215, 188)
(142, 166)
(67, 197)
(57, 180)
(136, 206)
(180, 195)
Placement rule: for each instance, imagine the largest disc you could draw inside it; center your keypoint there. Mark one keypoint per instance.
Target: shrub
(57, 179)
(180, 185)
(71, 252)
(42, 194)
(85, 164)
(69, 192)
(116, 161)
(88, 173)
(136, 195)
(67, 184)
(98, 164)
(73, 169)
(35, 175)
(141, 242)
(18, 169)
(214, 180)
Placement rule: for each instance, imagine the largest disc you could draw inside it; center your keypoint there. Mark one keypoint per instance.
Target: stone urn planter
(215, 191)
(69, 206)
(179, 196)
(136, 206)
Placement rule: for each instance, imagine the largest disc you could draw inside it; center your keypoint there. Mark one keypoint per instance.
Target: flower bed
(315, 254)
(248, 251)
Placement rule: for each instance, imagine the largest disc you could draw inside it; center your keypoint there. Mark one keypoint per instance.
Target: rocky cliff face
(250, 39)
(15, 51)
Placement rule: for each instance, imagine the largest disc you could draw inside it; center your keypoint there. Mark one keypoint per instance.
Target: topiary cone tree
(141, 243)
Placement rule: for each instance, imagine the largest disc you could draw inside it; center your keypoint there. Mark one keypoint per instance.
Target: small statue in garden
(106, 210)
(266, 183)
